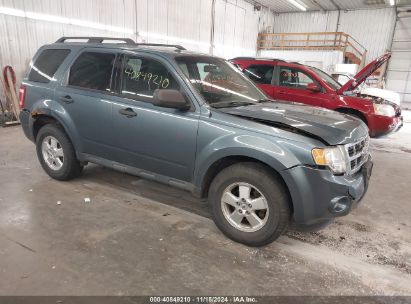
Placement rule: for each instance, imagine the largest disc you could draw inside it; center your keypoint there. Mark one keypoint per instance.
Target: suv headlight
(331, 157)
(384, 109)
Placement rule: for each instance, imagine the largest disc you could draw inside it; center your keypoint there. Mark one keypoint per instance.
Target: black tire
(71, 167)
(274, 191)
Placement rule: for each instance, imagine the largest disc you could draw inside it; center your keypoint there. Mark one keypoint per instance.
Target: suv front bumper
(318, 195)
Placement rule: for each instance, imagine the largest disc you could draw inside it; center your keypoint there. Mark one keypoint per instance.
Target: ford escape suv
(194, 122)
(291, 81)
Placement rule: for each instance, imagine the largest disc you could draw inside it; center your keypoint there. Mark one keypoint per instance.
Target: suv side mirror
(168, 98)
(313, 87)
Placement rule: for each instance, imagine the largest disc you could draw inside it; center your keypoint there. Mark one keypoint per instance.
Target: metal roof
(285, 6)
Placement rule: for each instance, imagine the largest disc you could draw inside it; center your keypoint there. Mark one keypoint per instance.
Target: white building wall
(305, 22)
(184, 22)
(371, 28)
(399, 67)
(325, 61)
(20, 36)
(236, 28)
(266, 20)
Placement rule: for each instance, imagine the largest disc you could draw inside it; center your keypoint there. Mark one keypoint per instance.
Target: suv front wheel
(56, 153)
(249, 204)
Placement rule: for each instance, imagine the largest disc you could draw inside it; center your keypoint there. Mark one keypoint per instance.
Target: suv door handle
(66, 99)
(128, 112)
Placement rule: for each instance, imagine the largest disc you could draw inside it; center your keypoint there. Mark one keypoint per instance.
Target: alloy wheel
(244, 207)
(52, 152)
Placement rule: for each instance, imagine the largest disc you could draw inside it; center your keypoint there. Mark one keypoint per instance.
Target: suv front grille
(357, 154)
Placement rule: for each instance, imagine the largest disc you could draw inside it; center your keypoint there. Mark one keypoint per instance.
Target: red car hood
(364, 73)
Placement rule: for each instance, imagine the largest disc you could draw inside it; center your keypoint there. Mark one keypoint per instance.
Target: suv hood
(362, 75)
(328, 126)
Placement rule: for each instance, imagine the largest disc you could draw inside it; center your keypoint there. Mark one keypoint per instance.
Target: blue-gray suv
(195, 122)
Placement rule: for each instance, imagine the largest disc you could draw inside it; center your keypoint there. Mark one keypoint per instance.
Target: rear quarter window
(260, 73)
(46, 65)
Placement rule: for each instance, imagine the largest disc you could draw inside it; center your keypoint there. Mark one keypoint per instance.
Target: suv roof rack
(255, 58)
(126, 41)
(178, 47)
(243, 58)
(96, 39)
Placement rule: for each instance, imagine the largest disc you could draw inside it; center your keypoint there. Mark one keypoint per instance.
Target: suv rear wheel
(249, 204)
(56, 153)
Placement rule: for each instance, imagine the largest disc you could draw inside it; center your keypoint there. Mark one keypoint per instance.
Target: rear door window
(142, 76)
(92, 70)
(46, 65)
(262, 74)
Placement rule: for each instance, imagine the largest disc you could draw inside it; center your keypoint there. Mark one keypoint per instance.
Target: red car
(295, 82)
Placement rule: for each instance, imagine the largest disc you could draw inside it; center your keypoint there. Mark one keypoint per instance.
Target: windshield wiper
(227, 104)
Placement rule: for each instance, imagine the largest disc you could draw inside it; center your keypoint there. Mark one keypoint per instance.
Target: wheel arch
(351, 111)
(227, 161)
(40, 118)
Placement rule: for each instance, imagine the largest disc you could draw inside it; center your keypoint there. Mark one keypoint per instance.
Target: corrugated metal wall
(20, 37)
(236, 28)
(323, 60)
(185, 22)
(372, 28)
(399, 68)
(174, 21)
(305, 22)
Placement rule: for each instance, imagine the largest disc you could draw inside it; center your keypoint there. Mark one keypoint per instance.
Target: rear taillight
(22, 96)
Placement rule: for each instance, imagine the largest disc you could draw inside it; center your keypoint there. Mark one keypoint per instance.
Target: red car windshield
(326, 78)
(218, 81)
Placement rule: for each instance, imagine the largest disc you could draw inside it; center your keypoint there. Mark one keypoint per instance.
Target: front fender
(270, 152)
(362, 105)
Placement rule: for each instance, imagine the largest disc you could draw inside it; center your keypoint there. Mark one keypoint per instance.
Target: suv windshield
(326, 78)
(219, 82)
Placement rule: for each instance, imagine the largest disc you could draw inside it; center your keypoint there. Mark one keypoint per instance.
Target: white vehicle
(365, 90)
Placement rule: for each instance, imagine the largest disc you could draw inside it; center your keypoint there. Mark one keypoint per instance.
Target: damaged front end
(285, 127)
(329, 127)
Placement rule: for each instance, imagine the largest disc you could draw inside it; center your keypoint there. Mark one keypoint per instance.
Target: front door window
(293, 78)
(142, 76)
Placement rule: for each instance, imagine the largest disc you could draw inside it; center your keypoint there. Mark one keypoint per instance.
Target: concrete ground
(137, 237)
